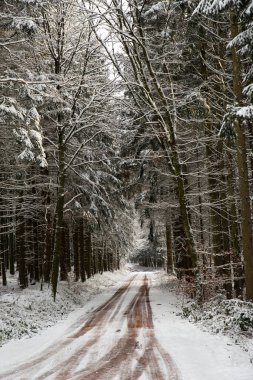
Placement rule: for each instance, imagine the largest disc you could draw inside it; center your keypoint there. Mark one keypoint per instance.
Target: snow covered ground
(199, 354)
(23, 313)
(124, 337)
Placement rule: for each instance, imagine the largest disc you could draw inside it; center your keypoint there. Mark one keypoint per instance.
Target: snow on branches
(26, 131)
(26, 25)
(234, 115)
(215, 6)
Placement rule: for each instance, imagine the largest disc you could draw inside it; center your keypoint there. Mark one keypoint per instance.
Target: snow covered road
(129, 334)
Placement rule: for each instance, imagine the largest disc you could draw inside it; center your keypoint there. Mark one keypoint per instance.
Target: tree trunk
(170, 260)
(242, 167)
(76, 253)
(64, 254)
(59, 226)
(3, 266)
(48, 247)
(23, 281)
(12, 253)
(36, 251)
(87, 251)
(81, 251)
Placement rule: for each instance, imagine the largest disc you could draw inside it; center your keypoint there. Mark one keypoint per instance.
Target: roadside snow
(23, 313)
(230, 317)
(98, 290)
(199, 354)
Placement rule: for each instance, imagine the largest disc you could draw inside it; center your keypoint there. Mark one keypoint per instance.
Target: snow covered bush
(222, 315)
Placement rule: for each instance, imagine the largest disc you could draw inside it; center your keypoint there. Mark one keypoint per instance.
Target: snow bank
(23, 313)
(197, 352)
(222, 315)
(233, 318)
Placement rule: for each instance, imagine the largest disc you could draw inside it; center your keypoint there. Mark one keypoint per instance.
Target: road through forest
(123, 325)
(118, 340)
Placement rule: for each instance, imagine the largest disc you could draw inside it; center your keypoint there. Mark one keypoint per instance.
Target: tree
(237, 116)
(151, 87)
(64, 89)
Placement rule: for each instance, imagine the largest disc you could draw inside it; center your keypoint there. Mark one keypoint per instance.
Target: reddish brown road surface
(117, 341)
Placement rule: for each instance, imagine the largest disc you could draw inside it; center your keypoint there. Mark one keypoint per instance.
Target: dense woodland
(111, 108)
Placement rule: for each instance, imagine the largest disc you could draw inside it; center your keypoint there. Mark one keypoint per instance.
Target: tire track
(97, 318)
(119, 360)
(135, 353)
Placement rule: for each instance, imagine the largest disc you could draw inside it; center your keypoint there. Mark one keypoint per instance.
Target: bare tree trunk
(87, 251)
(81, 250)
(169, 245)
(76, 253)
(242, 167)
(3, 266)
(12, 252)
(238, 281)
(36, 251)
(59, 215)
(48, 249)
(23, 281)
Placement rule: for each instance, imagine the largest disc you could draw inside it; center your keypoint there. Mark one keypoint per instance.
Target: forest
(111, 109)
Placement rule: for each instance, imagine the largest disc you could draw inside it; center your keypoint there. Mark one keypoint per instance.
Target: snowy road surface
(134, 333)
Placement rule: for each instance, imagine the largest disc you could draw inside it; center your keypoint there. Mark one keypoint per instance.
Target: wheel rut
(133, 352)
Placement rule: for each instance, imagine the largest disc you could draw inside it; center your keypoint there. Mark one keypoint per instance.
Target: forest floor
(132, 330)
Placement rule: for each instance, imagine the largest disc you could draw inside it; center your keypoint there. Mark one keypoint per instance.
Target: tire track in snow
(134, 354)
(119, 360)
(97, 317)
